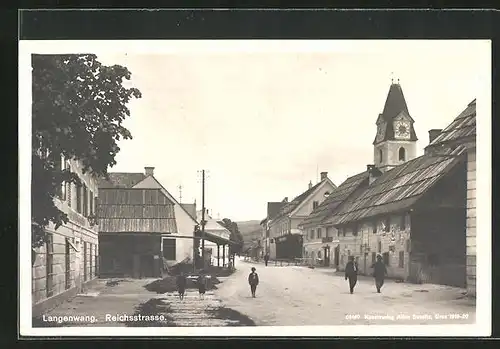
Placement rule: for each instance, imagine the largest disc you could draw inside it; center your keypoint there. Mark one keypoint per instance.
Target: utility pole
(180, 193)
(203, 217)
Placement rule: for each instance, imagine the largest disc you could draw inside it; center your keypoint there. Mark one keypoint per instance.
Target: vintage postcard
(255, 188)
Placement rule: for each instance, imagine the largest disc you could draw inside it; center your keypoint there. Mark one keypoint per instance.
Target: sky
(264, 120)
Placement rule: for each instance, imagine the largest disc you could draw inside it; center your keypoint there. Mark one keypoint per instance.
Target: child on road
(253, 280)
(181, 285)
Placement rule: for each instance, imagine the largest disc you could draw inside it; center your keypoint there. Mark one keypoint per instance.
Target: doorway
(336, 256)
(327, 256)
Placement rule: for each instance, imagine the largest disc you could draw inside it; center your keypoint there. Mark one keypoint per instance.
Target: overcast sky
(263, 123)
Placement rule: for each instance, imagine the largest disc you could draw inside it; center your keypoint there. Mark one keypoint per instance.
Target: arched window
(380, 155)
(402, 154)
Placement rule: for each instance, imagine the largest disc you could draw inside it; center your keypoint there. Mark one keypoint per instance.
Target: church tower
(396, 140)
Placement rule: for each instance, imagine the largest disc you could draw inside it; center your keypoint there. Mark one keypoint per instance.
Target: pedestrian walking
(181, 285)
(351, 273)
(253, 280)
(202, 284)
(266, 259)
(379, 272)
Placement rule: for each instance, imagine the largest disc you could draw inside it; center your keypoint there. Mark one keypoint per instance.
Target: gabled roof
(121, 180)
(338, 195)
(462, 128)
(292, 205)
(399, 188)
(190, 208)
(273, 208)
(130, 210)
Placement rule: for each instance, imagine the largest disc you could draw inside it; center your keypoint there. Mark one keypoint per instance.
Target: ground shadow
(224, 313)
(153, 313)
(112, 283)
(169, 284)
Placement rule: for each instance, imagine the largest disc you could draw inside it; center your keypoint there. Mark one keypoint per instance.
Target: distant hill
(251, 230)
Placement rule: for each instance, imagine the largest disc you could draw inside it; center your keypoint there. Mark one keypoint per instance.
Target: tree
(78, 108)
(236, 237)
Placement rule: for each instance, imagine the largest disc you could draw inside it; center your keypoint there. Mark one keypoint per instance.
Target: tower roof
(395, 103)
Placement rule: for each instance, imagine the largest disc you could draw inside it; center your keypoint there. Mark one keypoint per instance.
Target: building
(273, 209)
(283, 228)
(414, 214)
(142, 228)
(68, 262)
(217, 241)
(320, 237)
(462, 131)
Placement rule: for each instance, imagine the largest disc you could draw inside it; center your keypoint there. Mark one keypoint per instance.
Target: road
(292, 296)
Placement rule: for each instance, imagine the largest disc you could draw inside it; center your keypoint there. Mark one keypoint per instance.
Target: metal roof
(338, 195)
(399, 188)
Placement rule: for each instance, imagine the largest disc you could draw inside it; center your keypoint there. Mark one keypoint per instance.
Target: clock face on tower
(402, 129)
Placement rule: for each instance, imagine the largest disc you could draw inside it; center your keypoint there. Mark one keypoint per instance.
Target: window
(402, 154)
(315, 204)
(386, 258)
(355, 230)
(91, 206)
(374, 257)
(387, 225)
(94, 209)
(67, 265)
(319, 254)
(401, 259)
(49, 277)
(85, 205)
(85, 258)
(169, 249)
(91, 272)
(402, 222)
(380, 155)
(318, 233)
(69, 192)
(379, 247)
(327, 231)
(374, 228)
(348, 252)
(312, 233)
(343, 232)
(79, 198)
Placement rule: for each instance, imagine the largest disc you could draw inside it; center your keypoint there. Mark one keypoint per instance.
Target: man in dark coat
(253, 280)
(379, 272)
(266, 259)
(181, 285)
(351, 273)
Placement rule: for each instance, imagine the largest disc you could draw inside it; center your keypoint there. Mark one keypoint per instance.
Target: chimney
(324, 175)
(285, 199)
(373, 173)
(433, 134)
(149, 171)
(310, 184)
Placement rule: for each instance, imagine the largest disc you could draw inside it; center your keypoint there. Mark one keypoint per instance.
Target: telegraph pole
(203, 217)
(180, 193)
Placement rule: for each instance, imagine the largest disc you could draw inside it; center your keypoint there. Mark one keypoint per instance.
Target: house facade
(284, 229)
(321, 243)
(68, 262)
(217, 241)
(273, 209)
(136, 211)
(417, 214)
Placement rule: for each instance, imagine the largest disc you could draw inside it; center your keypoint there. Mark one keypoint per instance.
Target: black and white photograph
(255, 187)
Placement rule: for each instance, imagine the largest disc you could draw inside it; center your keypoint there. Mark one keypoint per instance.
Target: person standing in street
(266, 259)
(202, 284)
(181, 285)
(253, 280)
(351, 273)
(379, 272)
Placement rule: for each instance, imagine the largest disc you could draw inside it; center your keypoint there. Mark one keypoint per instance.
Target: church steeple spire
(396, 137)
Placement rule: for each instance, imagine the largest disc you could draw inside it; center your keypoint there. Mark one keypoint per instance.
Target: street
(292, 296)
(286, 296)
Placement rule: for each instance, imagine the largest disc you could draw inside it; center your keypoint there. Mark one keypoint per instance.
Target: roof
(123, 210)
(463, 127)
(292, 205)
(214, 228)
(121, 180)
(190, 208)
(273, 208)
(338, 195)
(399, 188)
(395, 104)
